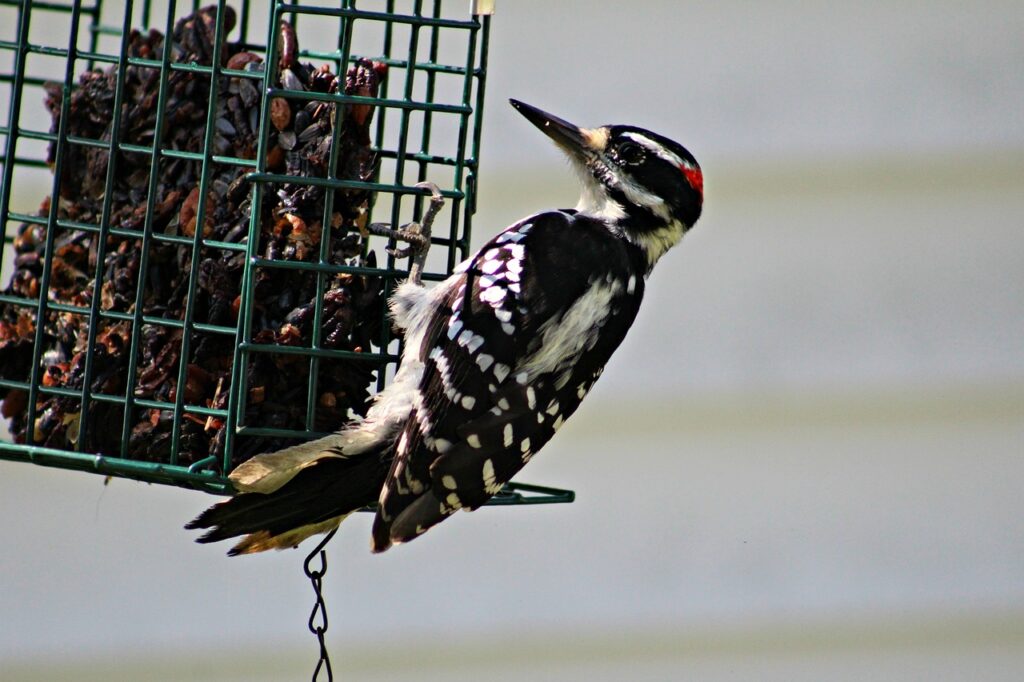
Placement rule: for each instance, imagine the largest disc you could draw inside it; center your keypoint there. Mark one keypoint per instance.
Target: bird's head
(643, 185)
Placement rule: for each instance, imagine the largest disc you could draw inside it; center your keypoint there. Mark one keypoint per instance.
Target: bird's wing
(508, 355)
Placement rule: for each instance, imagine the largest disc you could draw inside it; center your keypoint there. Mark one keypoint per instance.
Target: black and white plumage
(496, 357)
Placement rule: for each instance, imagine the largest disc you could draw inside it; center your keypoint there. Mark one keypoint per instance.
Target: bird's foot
(415, 234)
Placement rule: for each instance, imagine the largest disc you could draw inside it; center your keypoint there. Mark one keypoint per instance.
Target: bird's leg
(419, 257)
(417, 235)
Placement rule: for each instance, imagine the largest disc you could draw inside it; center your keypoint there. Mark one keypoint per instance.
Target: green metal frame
(412, 160)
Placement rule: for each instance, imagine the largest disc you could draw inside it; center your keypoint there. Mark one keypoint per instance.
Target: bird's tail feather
(267, 472)
(307, 493)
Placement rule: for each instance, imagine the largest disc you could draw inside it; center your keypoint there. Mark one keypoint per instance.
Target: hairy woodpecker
(496, 357)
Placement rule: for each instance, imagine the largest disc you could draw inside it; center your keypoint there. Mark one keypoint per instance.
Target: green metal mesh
(426, 127)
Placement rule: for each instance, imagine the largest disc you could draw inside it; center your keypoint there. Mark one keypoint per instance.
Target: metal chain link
(318, 617)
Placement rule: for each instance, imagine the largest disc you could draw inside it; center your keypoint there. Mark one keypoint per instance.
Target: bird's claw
(415, 234)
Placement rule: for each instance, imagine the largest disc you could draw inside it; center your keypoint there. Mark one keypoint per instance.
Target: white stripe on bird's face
(655, 148)
(686, 167)
(599, 177)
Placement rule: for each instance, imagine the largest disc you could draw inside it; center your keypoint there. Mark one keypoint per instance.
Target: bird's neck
(653, 232)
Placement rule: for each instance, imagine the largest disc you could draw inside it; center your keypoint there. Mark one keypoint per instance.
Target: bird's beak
(578, 142)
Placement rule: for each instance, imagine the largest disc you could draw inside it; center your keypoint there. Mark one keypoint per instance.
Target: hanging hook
(318, 616)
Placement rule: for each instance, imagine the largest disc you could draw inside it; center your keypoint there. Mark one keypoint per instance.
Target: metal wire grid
(408, 166)
(87, 18)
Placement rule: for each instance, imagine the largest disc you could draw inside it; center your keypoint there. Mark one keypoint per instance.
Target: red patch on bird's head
(694, 177)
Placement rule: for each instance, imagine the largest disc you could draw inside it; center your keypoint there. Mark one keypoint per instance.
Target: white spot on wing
(491, 266)
(443, 369)
(510, 236)
(493, 295)
(488, 476)
(415, 486)
(501, 371)
(507, 435)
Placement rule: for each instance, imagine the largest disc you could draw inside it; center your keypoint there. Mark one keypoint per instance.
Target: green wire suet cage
(204, 169)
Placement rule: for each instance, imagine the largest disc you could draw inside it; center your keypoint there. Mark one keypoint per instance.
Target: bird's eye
(630, 153)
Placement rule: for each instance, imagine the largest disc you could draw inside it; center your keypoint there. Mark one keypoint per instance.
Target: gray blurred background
(805, 462)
